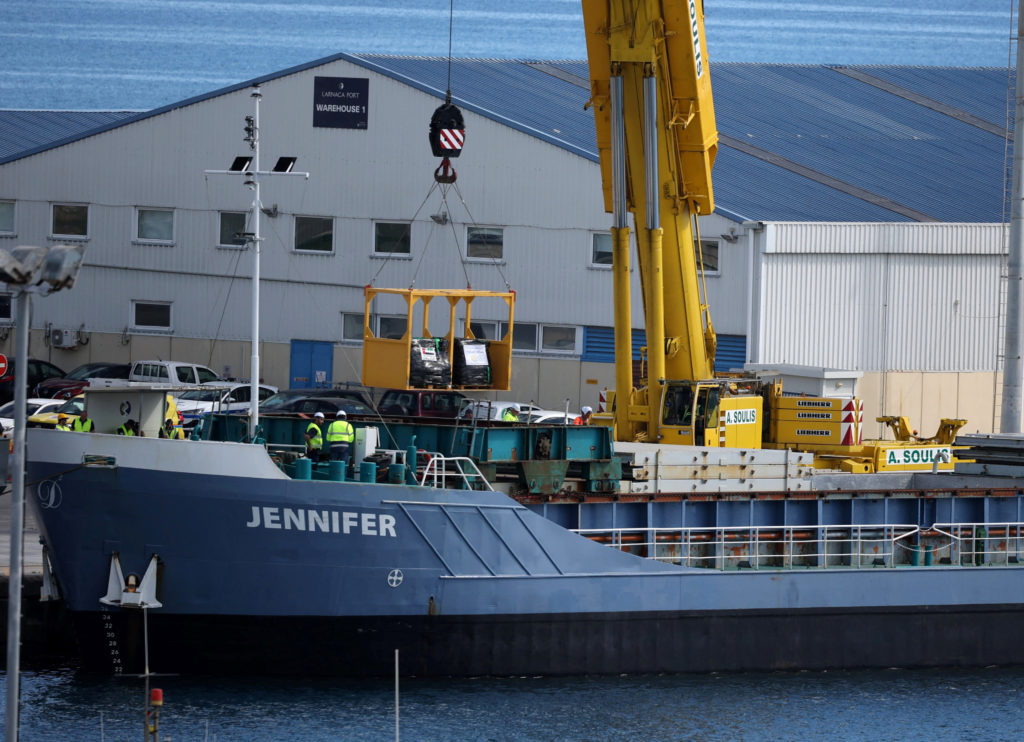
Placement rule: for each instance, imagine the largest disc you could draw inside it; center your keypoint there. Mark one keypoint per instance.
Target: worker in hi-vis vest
(340, 435)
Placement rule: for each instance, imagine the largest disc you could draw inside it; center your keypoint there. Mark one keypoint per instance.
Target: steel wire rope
(406, 233)
(472, 220)
(231, 282)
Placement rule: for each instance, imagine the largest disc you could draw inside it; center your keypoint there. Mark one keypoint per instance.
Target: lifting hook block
(445, 173)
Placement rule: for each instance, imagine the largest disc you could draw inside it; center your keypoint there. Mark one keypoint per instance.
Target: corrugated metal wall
(880, 297)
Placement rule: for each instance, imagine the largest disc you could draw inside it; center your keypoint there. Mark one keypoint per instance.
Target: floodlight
(61, 266)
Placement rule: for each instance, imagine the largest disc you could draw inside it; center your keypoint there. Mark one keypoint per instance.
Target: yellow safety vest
(509, 415)
(125, 430)
(316, 439)
(340, 431)
(80, 427)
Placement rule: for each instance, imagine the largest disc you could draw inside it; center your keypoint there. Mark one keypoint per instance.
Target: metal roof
(797, 142)
(23, 132)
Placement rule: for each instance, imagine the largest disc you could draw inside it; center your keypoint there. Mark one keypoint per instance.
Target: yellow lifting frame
(386, 360)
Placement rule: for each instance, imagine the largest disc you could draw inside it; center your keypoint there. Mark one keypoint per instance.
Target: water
(140, 54)
(907, 705)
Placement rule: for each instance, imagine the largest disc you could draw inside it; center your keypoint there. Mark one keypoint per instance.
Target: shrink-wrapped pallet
(428, 363)
(471, 364)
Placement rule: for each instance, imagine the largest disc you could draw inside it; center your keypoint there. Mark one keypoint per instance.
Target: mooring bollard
(303, 469)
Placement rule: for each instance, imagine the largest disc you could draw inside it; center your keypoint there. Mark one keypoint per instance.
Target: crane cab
(713, 413)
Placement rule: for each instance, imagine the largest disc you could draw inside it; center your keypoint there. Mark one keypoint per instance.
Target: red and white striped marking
(602, 400)
(852, 426)
(452, 138)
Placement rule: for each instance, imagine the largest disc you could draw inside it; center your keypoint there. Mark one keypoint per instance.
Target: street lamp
(29, 270)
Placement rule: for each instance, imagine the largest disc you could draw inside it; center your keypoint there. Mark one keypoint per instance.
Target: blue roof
(797, 142)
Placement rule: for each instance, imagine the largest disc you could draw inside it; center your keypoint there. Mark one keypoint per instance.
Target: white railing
(788, 547)
(453, 472)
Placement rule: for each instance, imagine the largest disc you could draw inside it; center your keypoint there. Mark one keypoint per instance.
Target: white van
(171, 372)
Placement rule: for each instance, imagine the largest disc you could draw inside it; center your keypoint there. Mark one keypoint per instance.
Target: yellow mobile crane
(657, 140)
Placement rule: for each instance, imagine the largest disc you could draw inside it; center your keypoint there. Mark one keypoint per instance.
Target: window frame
(137, 239)
(158, 329)
(591, 263)
(575, 350)
(704, 245)
(54, 234)
(13, 231)
(358, 315)
(220, 229)
(295, 235)
(503, 328)
(485, 258)
(393, 255)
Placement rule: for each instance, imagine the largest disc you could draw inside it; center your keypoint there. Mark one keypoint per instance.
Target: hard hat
(515, 406)
(586, 410)
(62, 416)
(340, 413)
(319, 414)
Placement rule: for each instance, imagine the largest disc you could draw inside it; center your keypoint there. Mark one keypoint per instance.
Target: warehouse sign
(341, 102)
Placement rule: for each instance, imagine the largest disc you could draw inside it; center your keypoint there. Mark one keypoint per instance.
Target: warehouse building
(859, 226)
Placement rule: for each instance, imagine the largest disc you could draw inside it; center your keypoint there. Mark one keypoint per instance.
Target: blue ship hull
(262, 573)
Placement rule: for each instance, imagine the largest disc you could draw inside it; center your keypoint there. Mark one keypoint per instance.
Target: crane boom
(657, 139)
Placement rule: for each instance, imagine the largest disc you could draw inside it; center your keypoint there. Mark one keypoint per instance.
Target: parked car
(38, 371)
(33, 406)
(420, 403)
(72, 384)
(280, 401)
(556, 417)
(171, 372)
(219, 396)
(486, 409)
(327, 405)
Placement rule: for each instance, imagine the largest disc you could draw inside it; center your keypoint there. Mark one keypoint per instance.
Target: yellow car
(73, 408)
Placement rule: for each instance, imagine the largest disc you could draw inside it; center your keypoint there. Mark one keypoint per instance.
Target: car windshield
(202, 395)
(86, 371)
(72, 406)
(280, 400)
(8, 409)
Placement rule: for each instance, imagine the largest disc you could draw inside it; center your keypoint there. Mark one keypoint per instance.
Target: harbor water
(979, 705)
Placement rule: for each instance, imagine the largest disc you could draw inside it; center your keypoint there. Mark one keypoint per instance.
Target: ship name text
(324, 521)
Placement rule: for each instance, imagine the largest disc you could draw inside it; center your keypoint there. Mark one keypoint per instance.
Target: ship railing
(977, 543)
(453, 472)
(768, 547)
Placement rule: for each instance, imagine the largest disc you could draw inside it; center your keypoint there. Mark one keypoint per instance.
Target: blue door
(312, 364)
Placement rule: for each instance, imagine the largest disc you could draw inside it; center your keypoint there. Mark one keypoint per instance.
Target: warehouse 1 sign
(341, 102)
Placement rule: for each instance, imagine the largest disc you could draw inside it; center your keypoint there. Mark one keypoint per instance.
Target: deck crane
(657, 141)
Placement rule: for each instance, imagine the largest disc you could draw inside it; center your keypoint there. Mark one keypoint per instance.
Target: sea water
(978, 705)
(141, 54)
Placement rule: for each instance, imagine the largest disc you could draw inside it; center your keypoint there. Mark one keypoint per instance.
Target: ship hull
(259, 573)
(566, 644)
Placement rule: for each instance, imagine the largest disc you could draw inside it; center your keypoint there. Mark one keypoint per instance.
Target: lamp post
(30, 270)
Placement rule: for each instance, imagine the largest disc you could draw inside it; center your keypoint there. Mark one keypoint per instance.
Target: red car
(73, 384)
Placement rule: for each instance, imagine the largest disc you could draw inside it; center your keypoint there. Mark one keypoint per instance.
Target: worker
(170, 430)
(82, 423)
(128, 427)
(511, 413)
(584, 417)
(62, 423)
(314, 438)
(340, 435)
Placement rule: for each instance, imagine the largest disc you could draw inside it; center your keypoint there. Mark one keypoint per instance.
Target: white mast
(252, 174)
(1013, 366)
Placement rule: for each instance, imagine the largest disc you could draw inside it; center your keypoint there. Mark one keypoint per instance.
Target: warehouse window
(232, 229)
(558, 339)
(392, 328)
(69, 220)
(6, 217)
(707, 256)
(485, 243)
(484, 330)
(524, 335)
(151, 315)
(5, 308)
(154, 225)
(601, 250)
(391, 238)
(314, 234)
(352, 326)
